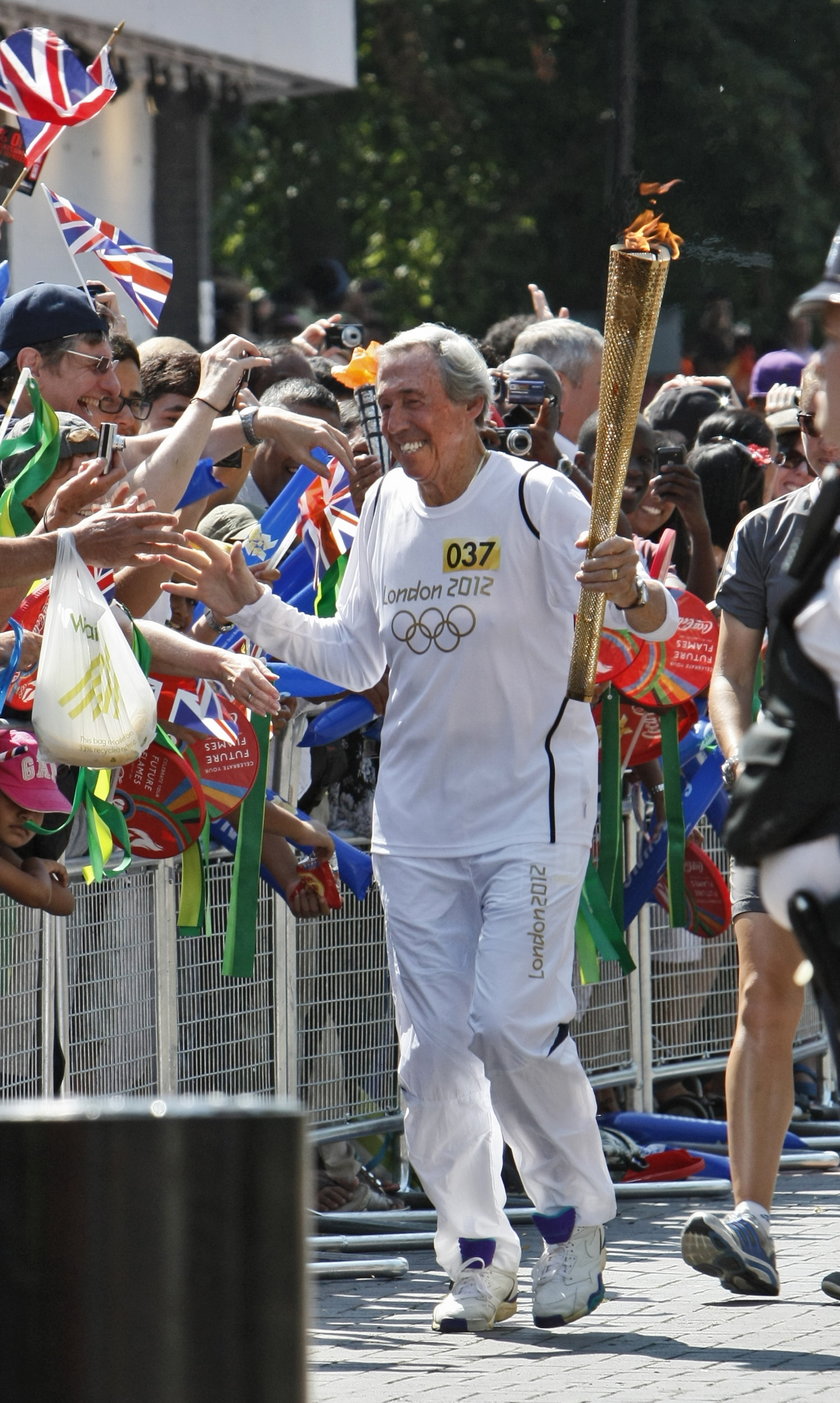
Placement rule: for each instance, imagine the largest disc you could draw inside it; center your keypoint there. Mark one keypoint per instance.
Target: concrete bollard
(153, 1251)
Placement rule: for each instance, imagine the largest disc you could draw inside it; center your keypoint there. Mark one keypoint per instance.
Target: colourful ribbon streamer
(14, 658)
(597, 933)
(241, 933)
(43, 438)
(611, 838)
(674, 817)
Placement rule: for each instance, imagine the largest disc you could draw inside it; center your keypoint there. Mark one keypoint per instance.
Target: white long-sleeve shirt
(471, 607)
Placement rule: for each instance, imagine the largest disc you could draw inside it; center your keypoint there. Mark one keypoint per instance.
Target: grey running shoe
(738, 1251)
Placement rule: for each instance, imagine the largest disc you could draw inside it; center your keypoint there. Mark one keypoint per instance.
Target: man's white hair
(463, 372)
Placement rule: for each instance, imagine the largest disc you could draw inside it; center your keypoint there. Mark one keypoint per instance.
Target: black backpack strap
(817, 545)
(522, 507)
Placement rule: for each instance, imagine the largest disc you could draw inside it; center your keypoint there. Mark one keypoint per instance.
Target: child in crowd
(27, 791)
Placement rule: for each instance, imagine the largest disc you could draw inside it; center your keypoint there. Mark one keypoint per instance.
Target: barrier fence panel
(226, 1026)
(110, 1006)
(346, 1040)
(25, 1023)
(143, 1011)
(693, 993)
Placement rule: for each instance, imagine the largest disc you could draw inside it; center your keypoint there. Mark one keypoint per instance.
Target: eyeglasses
(794, 460)
(138, 407)
(101, 364)
(806, 423)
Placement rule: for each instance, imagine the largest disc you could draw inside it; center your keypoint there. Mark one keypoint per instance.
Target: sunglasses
(806, 424)
(138, 407)
(101, 364)
(793, 459)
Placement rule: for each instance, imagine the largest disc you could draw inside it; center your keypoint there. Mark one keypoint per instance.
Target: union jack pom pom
(45, 85)
(328, 520)
(144, 274)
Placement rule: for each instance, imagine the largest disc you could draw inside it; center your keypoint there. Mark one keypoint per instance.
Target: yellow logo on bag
(97, 689)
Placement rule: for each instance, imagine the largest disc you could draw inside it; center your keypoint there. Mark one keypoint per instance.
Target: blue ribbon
(702, 783)
(14, 658)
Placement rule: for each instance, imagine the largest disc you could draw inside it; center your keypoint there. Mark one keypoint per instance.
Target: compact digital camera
(515, 439)
(346, 334)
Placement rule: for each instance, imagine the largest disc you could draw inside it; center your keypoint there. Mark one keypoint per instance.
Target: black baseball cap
(828, 289)
(44, 313)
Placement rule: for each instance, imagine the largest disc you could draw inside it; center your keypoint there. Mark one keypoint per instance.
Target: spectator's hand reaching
(539, 302)
(223, 367)
(128, 532)
(209, 572)
(81, 494)
(311, 339)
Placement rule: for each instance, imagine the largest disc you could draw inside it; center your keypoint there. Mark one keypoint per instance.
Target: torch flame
(648, 228)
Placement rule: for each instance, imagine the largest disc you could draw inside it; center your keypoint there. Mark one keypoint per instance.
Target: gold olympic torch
(637, 272)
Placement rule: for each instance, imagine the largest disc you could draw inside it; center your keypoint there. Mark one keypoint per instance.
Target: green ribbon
(598, 936)
(43, 438)
(97, 807)
(241, 933)
(192, 911)
(611, 837)
(674, 816)
(326, 600)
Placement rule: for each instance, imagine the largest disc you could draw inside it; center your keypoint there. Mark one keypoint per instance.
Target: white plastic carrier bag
(93, 705)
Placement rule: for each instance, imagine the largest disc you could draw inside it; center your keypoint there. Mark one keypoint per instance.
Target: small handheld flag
(45, 85)
(144, 274)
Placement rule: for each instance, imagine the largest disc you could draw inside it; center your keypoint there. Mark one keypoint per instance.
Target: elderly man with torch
(464, 580)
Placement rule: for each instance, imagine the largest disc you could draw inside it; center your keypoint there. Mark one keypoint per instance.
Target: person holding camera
(675, 496)
(528, 399)
(738, 1248)
(464, 579)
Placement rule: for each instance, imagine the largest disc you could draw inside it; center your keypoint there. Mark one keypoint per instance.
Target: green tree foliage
(478, 153)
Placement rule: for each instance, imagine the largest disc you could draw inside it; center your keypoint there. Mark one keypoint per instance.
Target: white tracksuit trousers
(481, 952)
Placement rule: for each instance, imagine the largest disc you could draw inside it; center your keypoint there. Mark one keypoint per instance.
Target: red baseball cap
(26, 777)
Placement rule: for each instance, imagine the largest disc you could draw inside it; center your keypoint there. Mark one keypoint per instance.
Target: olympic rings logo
(433, 627)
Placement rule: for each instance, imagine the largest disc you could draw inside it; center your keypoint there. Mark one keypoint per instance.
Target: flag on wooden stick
(47, 87)
(142, 272)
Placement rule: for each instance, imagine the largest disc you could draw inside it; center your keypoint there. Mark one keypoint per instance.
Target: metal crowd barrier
(112, 1001)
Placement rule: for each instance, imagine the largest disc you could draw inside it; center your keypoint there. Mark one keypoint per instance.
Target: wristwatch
(221, 626)
(246, 419)
(642, 594)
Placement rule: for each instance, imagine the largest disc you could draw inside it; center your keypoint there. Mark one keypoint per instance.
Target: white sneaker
(567, 1278)
(480, 1296)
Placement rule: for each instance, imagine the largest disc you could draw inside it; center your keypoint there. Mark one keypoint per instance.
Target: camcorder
(346, 334)
(528, 390)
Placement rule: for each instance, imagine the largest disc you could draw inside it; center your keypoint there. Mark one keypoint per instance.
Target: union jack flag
(194, 704)
(44, 84)
(328, 520)
(144, 274)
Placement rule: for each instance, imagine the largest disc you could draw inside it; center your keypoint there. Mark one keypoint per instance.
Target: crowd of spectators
(210, 439)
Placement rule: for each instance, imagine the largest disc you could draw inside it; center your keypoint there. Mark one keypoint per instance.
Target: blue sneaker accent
(556, 1227)
(737, 1250)
(477, 1251)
